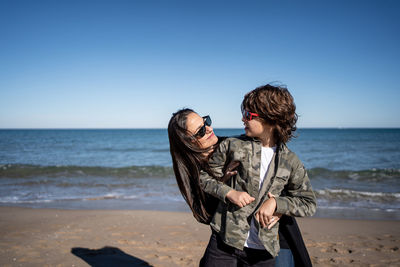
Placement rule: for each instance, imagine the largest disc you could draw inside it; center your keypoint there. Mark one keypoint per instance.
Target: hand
(238, 198)
(230, 170)
(274, 219)
(265, 214)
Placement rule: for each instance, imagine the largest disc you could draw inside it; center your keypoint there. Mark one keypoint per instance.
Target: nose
(209, 129)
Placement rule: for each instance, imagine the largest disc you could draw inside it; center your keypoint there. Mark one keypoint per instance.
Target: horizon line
(165, 128)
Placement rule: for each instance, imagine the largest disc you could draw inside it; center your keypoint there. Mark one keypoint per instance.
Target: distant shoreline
(134, 205)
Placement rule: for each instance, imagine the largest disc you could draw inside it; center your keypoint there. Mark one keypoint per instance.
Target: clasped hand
(266, 214)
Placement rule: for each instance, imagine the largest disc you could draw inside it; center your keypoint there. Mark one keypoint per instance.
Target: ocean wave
(352, 196)
(130, 149)
(37, 197)
(71, 182)
(371, 175)
(26, 170)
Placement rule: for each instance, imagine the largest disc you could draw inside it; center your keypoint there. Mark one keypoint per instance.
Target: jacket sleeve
(208, 183)
(300, 200)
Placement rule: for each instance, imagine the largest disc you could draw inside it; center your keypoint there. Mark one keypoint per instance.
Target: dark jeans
(219, 254)
(284, 258)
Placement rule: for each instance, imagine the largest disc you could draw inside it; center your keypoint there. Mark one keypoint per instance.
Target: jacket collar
(281, 147)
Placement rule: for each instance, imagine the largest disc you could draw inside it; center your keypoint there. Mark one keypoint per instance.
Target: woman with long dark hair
(192, 141)
(190, 148)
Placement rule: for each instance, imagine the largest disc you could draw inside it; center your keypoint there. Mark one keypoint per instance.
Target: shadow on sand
(107, 256)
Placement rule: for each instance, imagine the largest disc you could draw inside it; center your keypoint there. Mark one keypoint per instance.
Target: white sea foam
(354, 193)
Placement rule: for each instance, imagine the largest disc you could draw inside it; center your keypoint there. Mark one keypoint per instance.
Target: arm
(213, 187)
(223, 191)
(219, 189)
(300, 199)
(208, 183)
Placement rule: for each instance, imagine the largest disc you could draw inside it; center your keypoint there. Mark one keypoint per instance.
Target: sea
(355, 173)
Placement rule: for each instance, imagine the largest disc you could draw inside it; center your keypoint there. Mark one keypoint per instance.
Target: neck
(268, 142)
(210, 150)
(267, 139)
(208, 153)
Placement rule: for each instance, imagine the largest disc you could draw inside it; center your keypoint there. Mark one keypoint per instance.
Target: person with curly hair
(270, 181)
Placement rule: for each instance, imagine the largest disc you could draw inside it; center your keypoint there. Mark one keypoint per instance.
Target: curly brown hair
(275, 105)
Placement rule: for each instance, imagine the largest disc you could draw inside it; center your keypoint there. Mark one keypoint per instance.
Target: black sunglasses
(202, 131)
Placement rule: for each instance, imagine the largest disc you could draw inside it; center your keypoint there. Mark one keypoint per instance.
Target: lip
(211, 135)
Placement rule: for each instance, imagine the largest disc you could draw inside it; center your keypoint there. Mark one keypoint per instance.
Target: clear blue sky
(130, 64)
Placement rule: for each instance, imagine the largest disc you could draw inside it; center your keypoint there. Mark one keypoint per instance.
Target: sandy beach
(50, 237)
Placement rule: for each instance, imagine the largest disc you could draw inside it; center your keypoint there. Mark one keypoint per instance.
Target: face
(257, 128)
(193, 124)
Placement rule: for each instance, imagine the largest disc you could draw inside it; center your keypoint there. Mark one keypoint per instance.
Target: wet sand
(50, 237)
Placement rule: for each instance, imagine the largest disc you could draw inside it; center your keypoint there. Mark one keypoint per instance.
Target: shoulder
(289, 158)
(238, 141)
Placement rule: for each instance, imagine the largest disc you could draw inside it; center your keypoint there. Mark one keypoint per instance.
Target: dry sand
(46, 237)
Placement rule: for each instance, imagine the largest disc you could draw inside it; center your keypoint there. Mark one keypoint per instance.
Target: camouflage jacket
(286, 178)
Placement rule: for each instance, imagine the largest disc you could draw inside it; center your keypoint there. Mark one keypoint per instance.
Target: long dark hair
(188, 159)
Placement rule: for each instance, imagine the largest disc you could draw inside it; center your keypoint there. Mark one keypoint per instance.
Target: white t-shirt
(252, 240)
